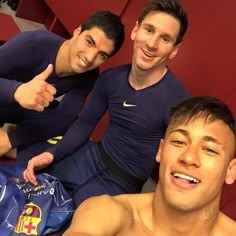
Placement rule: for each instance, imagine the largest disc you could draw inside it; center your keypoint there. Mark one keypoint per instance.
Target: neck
(140, 79)
(169, 220)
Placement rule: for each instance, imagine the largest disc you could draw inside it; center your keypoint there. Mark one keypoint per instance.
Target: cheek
(211, 162)
(98, 62)
(165, 52)
(140, 39)
(173, 153)
(78, 45)
(216, 167)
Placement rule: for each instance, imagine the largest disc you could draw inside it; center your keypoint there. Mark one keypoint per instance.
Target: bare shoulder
(137, 206)
(138, 200)
(116, 203)
(99, 215)
(104, 206)
(230, 227)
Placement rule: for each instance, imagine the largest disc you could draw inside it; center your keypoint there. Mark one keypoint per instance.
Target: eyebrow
(212, 139)
(91, 38)
(207, 138)
(162, 34)
(94, 44)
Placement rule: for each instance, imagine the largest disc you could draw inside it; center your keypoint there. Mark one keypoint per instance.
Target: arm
(84, 125)
(5, 145)
(57, 122)
(30, 95)
(98, 216)
(18, 84)
(37, 93)
(76, 135)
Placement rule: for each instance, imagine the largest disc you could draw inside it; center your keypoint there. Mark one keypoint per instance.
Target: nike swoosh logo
(128, 105)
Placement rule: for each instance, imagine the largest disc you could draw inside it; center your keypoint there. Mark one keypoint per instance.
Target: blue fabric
(29, 210)
(133, 134)
(83, 174)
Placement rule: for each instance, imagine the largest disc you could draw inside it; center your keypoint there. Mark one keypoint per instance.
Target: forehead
(162, 21)
(201, 123)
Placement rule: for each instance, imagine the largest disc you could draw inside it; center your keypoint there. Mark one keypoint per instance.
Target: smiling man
(38, 66)
(196, 157)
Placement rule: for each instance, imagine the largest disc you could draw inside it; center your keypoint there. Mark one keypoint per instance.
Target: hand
(38, 162)
(5, 144)
(37, 93)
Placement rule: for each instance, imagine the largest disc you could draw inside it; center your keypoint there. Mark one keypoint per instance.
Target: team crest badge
(29, 219)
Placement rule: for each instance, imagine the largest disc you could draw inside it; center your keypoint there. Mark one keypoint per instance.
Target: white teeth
(149, 55)
(83, 62)
(178, 175)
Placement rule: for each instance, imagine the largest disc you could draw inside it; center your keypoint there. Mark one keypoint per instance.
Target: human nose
(190, 157)
(153, 42)
(91, 56)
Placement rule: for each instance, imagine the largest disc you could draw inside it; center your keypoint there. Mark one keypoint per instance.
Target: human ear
(134, 31)
(231, 172)
(159, 152)
(77, 31)
(174, 51)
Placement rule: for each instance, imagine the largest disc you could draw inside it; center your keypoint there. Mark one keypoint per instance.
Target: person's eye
(148, 29)
(178, 142)
(89, 42)
(103, 57)
(210, 150)
(166, 39)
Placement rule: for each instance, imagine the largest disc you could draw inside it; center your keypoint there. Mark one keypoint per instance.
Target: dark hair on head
(206, 107)
(171, 7)
(110, 24)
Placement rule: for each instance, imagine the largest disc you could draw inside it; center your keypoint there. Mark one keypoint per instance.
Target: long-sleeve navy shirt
(21, 59)
(137, 119)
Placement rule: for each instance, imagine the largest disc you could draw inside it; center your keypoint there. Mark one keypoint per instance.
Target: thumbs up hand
(37, 93)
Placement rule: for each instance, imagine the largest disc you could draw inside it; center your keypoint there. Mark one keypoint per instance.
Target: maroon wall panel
(72, 12)
(34, 10)
(206, 60)
(8, 28)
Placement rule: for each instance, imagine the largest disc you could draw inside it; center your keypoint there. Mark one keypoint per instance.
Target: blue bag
(29, 210)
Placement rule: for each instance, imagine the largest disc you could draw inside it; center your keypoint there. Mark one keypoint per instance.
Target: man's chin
(79, 69)
(144, 67)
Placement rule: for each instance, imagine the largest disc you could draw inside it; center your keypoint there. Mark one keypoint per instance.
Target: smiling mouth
(148, 54)
(188, 178)
(84, 63)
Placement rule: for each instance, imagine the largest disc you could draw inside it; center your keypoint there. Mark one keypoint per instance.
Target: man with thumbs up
(38, 66)
(37, 93)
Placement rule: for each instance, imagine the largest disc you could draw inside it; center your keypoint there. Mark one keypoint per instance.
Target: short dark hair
(206, 107)
(171, 7)
(110, 24)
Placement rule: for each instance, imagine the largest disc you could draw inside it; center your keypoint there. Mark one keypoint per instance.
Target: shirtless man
(196, 157)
